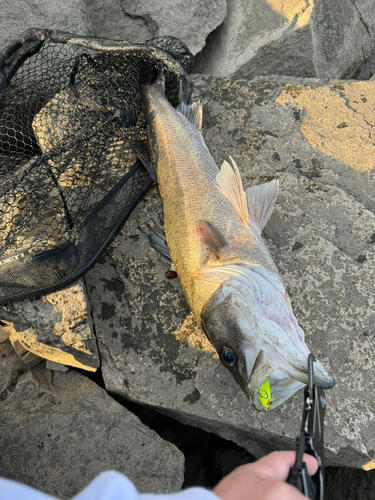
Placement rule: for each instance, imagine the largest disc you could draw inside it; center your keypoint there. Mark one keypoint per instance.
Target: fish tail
(159, 81)
(155, 79)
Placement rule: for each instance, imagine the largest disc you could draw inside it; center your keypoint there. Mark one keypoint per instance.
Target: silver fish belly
(213, 231)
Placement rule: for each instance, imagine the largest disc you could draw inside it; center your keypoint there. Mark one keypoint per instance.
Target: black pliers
(311, 439)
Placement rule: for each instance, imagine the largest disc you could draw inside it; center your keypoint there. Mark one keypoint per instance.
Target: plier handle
(311, 439)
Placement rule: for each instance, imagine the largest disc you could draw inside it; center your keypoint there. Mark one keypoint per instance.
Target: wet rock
(19, 15)
(325, 39)
(60, 430)
(321, 236)
(137, 22)
(57, 327)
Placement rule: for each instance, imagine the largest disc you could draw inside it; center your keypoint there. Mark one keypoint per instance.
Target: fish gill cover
(70, 124)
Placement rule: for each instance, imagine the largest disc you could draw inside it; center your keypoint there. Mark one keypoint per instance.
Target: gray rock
(321, 235)
(29, 359)
(345, 483)
(140, 21)
(4, 331)
(11, 366)
(18, 15)
(325, 38)
(60, 430)
(57, 327)
(51, 365)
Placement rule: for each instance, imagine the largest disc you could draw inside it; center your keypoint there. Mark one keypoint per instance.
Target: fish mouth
(269, 388)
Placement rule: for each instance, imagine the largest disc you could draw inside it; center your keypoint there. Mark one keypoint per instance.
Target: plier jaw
(311, 439)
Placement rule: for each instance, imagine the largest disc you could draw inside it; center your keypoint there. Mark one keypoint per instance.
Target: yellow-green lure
(264, 394)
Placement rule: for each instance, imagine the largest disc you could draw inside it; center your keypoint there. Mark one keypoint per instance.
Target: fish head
(260, 342)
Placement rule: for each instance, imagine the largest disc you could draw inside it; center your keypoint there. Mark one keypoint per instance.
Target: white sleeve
(11, 490)
(109, 485)
(112, 485)
(188, 494)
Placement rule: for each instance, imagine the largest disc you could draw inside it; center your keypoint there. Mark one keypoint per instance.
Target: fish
(213, 233)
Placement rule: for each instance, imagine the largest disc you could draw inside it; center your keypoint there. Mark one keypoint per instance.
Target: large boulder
(60, 430)
(324, 38)
(321, 235)
(19, 15)
(139, 21)
(57, 327)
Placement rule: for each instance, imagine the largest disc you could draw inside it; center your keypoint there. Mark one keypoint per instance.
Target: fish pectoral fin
(157, 240)
(193, 112)
(260, 202)
(211, 236)
(144, 157)
(230, 184)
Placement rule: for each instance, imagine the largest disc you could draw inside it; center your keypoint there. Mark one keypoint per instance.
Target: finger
(273, 489)
(248, 482)
(278, 463)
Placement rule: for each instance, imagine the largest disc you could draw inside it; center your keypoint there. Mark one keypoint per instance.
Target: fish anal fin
(230, 184)
(260, 202)
(211, 236)
(193, 112)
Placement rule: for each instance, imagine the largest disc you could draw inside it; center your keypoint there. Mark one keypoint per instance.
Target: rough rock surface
(11, 366)
(57, 327)
(325, 38)
(60, 430)
(19, 15)
(322, 237)
(139, 21)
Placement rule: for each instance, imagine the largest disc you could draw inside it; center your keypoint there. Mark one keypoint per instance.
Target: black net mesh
(70, 125)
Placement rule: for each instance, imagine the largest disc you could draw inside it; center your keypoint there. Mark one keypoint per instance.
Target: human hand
(264, 479)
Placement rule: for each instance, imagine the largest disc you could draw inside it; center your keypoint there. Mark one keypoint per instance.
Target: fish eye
(228, 357)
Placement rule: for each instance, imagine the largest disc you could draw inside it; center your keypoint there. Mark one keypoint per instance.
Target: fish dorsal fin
(230, 184)
(260, 202)
(211, 236)
(193, 112)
